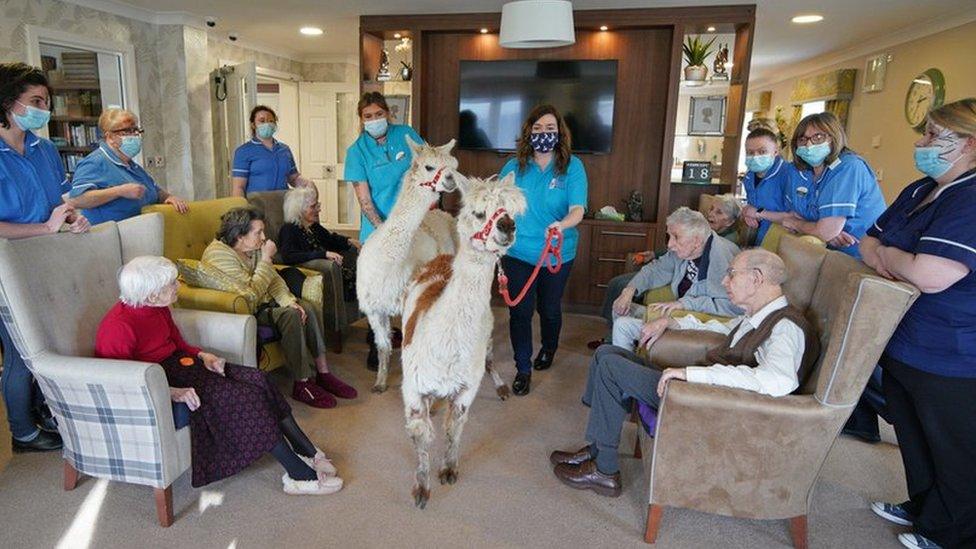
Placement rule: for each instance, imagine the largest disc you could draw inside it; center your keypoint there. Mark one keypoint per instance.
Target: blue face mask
(266, 130)
(929, 161)
(759, 163)
(376, 128)
(544, 142)
(33, 119)
(813, 155)
(131, 145)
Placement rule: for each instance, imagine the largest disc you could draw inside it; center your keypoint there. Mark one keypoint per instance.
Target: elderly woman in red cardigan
(236, 413)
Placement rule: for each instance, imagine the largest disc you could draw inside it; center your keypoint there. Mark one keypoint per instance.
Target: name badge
(802, 191)
(556, 183)
(399, 155)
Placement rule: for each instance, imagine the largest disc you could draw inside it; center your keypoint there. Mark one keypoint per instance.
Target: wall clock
(926, 92)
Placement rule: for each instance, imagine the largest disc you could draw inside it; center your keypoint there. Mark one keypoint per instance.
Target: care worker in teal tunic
(555, 187)
(376, 161)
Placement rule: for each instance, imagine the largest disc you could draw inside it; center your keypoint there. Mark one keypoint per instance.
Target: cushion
(203, 275)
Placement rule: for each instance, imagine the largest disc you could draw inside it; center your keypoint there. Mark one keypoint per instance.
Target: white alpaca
(447, 331)
(409, 238)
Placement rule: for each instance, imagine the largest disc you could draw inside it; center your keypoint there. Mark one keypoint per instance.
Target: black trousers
(935, 420)
(545, 296)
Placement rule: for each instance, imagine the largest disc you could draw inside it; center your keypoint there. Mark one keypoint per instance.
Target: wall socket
(154, 162)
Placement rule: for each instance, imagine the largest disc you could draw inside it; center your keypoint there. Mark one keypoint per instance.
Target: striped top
(259, 277)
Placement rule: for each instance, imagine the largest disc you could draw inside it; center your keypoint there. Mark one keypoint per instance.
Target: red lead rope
(552, 257)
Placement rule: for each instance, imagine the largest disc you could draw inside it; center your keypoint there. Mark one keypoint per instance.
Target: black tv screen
(496, 96)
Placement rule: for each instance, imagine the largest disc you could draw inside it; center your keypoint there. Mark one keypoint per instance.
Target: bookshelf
(75, 104)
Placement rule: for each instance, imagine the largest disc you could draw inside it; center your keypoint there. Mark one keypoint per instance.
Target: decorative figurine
(384, 73)
(406, 73)
(721, 60)
(635, 206)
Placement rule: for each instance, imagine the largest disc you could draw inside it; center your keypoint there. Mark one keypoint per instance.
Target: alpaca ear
(518, 204)
(508, 180)
(413, 145)
(463, 183)
(447, 147)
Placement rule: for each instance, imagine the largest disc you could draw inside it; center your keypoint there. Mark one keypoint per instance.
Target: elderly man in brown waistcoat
(768, 350)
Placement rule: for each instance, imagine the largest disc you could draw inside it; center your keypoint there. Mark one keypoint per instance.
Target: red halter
(482, 235)
(433, 182)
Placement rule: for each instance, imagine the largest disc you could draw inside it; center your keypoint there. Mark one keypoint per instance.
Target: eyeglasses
(129, 131)
(816, 139)
(730, 272)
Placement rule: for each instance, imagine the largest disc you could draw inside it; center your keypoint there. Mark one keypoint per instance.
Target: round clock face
(926, 92)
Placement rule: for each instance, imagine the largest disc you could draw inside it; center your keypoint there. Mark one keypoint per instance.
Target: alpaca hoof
(420, 496)
(379, 388)
(503, 392)
(448, 475)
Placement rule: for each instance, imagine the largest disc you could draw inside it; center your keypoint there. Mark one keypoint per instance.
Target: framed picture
(399, 108)
(706, 115)
(874, 73)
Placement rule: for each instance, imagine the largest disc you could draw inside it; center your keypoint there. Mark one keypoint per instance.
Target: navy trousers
(544, 296)
(19, 394)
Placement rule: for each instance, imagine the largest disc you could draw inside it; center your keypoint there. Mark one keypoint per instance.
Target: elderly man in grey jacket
(694, 266)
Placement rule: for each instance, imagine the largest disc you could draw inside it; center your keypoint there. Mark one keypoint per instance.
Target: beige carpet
(506, 495)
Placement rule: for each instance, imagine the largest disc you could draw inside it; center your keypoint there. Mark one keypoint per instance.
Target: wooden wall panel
(644, 59)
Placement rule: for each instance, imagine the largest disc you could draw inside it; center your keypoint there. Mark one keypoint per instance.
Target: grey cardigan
(705, 295)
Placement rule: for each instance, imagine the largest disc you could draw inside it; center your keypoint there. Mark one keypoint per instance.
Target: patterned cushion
(203, 275)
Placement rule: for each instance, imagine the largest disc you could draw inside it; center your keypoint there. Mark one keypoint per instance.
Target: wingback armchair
(742, 454)
(336, 312)
(186, 236)
(115, 416)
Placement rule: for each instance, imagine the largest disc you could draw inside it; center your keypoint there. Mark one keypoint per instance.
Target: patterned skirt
(237, 420)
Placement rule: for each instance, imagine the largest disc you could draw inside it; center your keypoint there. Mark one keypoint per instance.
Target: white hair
(296, 200)
(143, 277)
(729, 205)
(769, 264)
(690, 220)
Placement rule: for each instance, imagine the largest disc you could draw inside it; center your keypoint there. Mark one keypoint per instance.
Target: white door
(236, 89)
(329, 124)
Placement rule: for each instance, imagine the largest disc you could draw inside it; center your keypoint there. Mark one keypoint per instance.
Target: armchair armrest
(205, 299)
(231, 336)
(118, 409)
(738, 453)
(680, 348)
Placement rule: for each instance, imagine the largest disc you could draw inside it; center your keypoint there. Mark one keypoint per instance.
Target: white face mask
(376, 127)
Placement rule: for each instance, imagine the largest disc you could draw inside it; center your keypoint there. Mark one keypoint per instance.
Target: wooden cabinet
(600, 256)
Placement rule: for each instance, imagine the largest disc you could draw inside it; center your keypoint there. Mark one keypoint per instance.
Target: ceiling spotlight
(603, 27)
(710, 29)
(804, 19)
(397, 35)
(311, 31)
(484, 31)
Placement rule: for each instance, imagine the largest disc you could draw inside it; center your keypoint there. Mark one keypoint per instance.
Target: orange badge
(186, 361)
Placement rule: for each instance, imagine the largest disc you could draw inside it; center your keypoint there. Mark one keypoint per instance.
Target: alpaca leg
(421, 431)
(381, 336)
(501, 388)
(453, 425)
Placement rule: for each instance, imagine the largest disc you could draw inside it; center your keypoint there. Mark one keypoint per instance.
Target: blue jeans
(545, 296)
(18, 390)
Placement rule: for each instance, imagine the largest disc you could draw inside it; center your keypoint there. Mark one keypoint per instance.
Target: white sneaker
(323, 486)
(917, 541)
(320, 463)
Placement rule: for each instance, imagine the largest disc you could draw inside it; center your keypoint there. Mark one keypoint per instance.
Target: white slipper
(323, 486)
(320, 463)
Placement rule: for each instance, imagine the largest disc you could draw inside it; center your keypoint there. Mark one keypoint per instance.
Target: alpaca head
(433, 168)
(487, 217)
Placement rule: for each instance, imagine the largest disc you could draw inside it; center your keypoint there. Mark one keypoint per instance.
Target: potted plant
(696, 51)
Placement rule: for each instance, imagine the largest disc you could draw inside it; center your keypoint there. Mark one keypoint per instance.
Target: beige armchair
(742, 454)
(115, 416)
(337, 313)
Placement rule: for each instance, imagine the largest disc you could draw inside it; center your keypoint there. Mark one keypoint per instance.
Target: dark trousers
(545, 296)
(19, 393)
(864, 418)
(935, 420)
(616, 377)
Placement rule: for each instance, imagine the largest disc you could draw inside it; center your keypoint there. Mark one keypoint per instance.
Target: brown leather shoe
(571, 458)
(585, 476)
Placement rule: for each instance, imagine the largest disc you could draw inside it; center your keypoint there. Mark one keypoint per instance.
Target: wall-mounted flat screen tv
(496, 96)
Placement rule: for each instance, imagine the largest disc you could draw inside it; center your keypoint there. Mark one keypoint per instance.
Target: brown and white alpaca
(411, 236)
(447, 332)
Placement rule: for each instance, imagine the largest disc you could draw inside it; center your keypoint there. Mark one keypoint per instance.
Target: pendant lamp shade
(537, 24)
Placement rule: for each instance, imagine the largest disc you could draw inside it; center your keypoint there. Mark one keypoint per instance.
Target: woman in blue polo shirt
(926, 238)
(766, 181)
(31, 185)
(833, 193)
(377, 160)
(555, 186)
(264, 163)
(108, 184)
